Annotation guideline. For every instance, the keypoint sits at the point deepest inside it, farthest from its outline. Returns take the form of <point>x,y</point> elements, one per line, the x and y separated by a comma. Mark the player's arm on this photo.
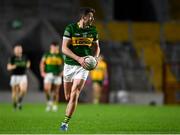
<point>11,65</point>
<point>65,43</point>
<point>65,49</point>
<point>28,64</point>
<point>97,49</point>
<point>96,46</point>
<point>61,74</point>
<point>42,67</point>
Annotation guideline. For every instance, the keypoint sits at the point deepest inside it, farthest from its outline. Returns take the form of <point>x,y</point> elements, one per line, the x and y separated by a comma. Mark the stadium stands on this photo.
<point>135,51</point>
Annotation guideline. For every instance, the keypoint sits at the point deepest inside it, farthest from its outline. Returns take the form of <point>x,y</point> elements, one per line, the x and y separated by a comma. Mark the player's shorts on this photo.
<point>53,79</point>
<point>72,72</point>
<point>18,79</point>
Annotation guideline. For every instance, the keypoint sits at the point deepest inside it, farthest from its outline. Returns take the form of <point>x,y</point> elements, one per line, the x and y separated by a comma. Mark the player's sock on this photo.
<point>55,106</point>
<point>48,97</point>
<point>66,119</point>
<point>49,105</point>
<point>14,105</point>
<point>20,100</point>
<point>19,103</point>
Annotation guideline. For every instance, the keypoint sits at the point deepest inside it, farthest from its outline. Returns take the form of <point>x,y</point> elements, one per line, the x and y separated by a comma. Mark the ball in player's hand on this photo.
<point>91,62</point>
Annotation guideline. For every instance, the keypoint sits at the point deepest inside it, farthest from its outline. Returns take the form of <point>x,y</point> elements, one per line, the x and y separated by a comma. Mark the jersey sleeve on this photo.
<point>67,32</point>
<point>11,60</point>
<point>44,56</point>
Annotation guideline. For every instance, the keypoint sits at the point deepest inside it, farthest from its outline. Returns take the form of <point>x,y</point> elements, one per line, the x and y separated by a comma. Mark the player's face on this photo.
<point>57,49</point>
<point>88,19</point>
<point>18,50</point>
<point>53,49</point>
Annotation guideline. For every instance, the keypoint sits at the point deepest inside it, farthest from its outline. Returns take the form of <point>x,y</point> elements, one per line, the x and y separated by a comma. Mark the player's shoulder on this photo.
<point>46,54</point>
<point>93,28</point>
<point>60,55</point>
<point>71,25</point>
<point>12,57</point>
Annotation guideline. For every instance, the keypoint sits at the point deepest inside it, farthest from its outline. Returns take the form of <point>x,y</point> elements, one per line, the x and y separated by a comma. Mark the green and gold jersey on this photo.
<point>53,63</point>
<point>81,41</point>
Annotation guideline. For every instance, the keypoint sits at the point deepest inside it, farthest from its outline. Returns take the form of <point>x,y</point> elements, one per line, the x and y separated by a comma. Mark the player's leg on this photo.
<point>14,89</point>
<point>67,90</point>
<point>68,78</point>
<point>23,85</point>
<point>74,80</point>
<point>56,88</point>
<point>76,88</point>
<point>14,95</point>
<point>47,89</point>
<point>55,97</point>
<point>97,88</point>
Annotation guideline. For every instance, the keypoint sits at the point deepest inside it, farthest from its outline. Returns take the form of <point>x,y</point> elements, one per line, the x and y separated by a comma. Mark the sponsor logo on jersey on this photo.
<point>81,41</point>
<point>53,61</point>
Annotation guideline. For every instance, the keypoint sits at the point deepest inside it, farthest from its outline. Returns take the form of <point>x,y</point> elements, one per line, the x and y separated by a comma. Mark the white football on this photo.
<point>91,61</point>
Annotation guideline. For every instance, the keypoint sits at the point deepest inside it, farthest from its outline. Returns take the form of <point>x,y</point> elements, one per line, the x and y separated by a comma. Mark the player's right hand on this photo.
<point>13,66</point>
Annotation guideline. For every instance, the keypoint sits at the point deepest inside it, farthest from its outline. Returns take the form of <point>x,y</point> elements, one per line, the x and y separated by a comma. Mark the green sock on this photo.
<point>66,119</point>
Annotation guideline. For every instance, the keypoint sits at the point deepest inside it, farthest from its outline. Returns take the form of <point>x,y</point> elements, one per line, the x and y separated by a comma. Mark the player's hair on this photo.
<point>17,44</point>
<point>85,10</point>
<point>54,43</point>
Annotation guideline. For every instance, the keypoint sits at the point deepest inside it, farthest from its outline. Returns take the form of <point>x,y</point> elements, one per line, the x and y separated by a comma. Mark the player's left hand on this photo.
<point>81,61</point>
<point>97,60</point>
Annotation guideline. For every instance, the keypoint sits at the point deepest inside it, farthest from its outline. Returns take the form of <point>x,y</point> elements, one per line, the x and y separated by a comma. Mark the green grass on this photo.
<point>91,119</point>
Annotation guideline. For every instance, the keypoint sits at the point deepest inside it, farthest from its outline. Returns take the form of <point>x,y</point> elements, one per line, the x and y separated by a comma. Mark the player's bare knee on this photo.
<point>67,97</point>
<point>23,91</point>
<point>75,95</point>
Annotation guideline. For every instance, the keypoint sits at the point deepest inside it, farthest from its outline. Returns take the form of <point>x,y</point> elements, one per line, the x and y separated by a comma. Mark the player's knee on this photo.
<point>23,87</point>
<point>75,95</point>
<point>23,91</point>
<point>13,95</point>
<point>47,90</point>
<point>67,97</point>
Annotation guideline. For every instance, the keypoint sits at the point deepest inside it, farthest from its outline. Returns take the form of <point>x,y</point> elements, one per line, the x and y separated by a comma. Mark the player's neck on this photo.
<point>18,55</point>
<point>52,52</point>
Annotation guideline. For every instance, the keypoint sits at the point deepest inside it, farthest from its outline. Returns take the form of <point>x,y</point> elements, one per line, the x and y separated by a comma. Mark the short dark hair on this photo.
<point>85,10</point>
<point>54,43</point>
<point>17,44</point>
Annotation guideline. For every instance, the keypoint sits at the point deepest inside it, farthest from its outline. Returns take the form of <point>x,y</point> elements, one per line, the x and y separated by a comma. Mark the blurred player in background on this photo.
<point>79,39</point>
<point>51,68</point>
<point>99,76</point>
<point>18,64</point>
